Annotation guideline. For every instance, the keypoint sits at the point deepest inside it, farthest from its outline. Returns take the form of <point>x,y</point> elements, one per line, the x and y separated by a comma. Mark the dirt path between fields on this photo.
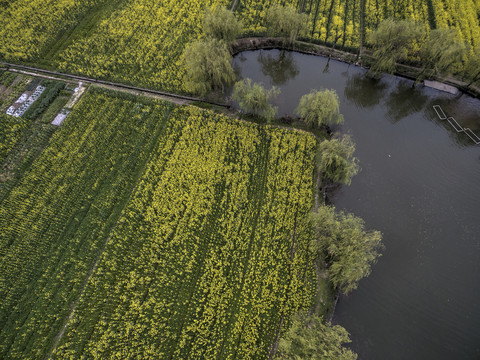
<point>157,94</point>
<point>116,87</point>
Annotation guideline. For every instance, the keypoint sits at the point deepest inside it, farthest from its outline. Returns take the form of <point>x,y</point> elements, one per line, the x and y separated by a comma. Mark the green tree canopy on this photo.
<point>221,24</point>
<point>394,41</point>
<point>208,66</point>
<point>254,98</point>
<point>336,161</point>
<point>440,53</point>
<point>286,22</point>
<point>346,246</point>
<point>472,69</point>
<point>320,108</point>
<point>311,339</point>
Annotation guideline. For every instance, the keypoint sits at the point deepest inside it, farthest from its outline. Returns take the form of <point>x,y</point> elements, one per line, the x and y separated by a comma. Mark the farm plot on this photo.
<point>58,215</point>
<point>27,26</point>
<point>10,131</point>
<point>253,12</point>
<point>339,21</point>
<point>461,14</point>
<point>210,257</point>
<point>12,85</point>
<point>140,43</point>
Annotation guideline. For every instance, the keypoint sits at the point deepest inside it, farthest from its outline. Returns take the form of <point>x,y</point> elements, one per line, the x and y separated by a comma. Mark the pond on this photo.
<point>420,186</point>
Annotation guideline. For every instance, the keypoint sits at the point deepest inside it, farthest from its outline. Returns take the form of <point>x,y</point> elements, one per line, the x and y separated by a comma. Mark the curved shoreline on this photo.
<point>405,71</point>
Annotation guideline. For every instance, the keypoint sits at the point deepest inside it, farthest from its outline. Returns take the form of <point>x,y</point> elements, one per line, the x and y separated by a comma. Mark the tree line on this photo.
<point>341,244</point>
<point>439,51</point>
<point>208,60</point>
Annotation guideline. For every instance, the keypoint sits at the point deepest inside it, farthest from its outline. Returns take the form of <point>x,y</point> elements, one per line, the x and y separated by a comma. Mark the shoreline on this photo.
<point>363,61</point>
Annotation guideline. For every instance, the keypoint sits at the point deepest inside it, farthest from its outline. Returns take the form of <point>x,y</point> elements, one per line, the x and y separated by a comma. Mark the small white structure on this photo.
<point>441,86</point>
<point>26,103</point>
<point>11,110</point>
<point>77,94</point>
<point>22,98</point>
<point>78,87</point>
<point>60,117</point>
<point>441,115</point>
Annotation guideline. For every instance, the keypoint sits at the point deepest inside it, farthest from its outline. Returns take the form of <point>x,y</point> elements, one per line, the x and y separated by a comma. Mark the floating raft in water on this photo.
<point>472,136</point>
<point>455,124</point>
<point>441,86</point>
<point>439,111</point>
<point>458,128</point>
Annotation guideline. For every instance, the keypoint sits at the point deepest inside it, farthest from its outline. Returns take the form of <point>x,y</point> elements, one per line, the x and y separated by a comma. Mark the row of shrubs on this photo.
<point>52,90</point>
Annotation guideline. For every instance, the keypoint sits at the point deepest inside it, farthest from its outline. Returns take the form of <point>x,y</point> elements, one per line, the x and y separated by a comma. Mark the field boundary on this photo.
<point>114,85</point>
<point>177,99</point>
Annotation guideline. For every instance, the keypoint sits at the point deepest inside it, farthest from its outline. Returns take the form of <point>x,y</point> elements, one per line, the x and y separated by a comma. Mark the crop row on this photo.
<point>57,216</point>
<point>10,132</point>
<point>210,257</point>
<point>27,26</point>
<point>340,21</point>
<point>140,43</point>
<point>13,90</point>
<point>461,14</point>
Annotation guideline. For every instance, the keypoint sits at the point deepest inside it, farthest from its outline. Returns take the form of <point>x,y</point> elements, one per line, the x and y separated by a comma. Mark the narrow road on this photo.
<point>55,75</point>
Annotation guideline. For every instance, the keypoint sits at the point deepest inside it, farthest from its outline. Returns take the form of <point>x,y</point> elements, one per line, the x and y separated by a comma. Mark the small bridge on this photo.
<point>458,128</point>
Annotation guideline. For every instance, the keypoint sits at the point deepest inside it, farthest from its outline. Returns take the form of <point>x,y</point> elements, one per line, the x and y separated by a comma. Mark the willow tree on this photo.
<point>347,247</point>
<point>335,160</point>
<point>208,66</point>
<point>441,53</point>
<point>320,108</point>
<point>221,24</point>
<point>255,99</point>
<point>286,22</point>
<point>311,338</point>
<point>472,69</point>
<point>394,41</point>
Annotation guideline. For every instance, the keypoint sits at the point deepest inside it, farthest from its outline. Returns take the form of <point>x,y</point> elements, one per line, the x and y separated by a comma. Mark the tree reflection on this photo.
<point>280,68</point>
<point>325,69</point>
<point>364,91</point>
<point>404,101</point>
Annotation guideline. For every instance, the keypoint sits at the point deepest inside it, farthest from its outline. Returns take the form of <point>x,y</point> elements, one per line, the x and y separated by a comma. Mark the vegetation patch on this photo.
<point>27,26</point>
<point>211,256</point>
<point>52,90</point>
<point>58,212</point>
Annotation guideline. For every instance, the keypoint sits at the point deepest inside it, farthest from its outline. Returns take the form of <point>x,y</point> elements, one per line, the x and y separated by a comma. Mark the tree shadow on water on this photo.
<point>363,91</point>
<point>280,68</point>
<point>405,101</point>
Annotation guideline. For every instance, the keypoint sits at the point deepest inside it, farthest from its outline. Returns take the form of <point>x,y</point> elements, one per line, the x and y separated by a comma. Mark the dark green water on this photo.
<point>420,186</point>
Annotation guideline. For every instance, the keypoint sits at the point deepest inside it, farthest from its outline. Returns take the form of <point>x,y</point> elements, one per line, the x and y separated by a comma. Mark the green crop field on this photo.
<point>56,217</point>
<point>141,41</point>
<point>142,229</point>
<point>200,220</point>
